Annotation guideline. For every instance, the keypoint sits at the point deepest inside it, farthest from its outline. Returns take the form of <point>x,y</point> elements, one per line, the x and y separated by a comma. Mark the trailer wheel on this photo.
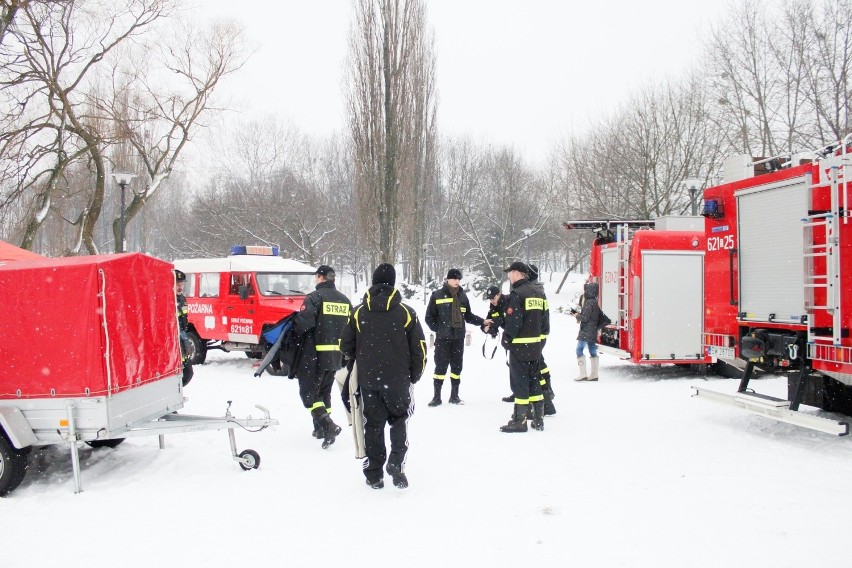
<point>105,443</point>
<point>252,457</point>
<point>197,348</point>
<point>13,466</point>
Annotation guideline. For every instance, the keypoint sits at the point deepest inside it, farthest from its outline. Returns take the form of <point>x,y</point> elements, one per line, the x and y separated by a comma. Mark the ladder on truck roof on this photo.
<point>822,250</point>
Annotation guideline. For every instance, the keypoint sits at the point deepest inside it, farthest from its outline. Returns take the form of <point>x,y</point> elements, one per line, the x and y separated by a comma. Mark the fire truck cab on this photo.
<point>233,300</point>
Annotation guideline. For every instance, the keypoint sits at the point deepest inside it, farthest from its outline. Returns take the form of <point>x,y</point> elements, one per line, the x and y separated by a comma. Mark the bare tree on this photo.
<point>391,113</point>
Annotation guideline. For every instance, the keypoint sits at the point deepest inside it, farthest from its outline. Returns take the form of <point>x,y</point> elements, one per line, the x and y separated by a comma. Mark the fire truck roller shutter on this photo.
<point>771,251</point>
<point>672,304</point>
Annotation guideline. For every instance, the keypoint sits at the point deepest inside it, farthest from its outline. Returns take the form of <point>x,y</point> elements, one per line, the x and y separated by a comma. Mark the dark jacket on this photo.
<point>439,313</point>
<point>497,314</point>
<point>183,325</point>
<point>385,337</point>
<point>525,323</point>
<point>589,314</point>
<point>321,318</point>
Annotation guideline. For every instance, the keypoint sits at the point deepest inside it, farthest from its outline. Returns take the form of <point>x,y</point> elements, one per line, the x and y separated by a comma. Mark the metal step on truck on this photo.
<point>92,355</point>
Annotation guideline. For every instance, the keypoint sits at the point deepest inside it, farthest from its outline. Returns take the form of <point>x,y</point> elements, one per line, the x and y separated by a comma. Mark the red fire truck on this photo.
<point>233,300</point>
<point>644,268</point>
<point>779,282</point>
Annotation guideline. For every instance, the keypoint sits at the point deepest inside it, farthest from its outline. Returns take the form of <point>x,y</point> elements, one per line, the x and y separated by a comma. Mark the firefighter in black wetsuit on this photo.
<point>183,325</point>
<point>446,314</point>
<point>321,318</point>
<point>524,327</point>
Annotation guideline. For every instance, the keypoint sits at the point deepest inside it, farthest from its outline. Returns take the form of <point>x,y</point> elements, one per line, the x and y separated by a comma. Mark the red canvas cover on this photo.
<point>55,335</point>
<point>11,252</point>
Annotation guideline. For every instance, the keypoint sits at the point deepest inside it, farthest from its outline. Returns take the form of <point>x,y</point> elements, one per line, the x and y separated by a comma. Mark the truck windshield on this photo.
<point>283,284</point>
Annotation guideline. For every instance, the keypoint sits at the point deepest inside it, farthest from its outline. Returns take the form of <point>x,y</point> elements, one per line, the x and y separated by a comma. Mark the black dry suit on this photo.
<point>385,337</point>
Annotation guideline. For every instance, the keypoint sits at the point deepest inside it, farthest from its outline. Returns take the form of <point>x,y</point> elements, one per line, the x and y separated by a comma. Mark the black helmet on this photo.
<point>179,275</point>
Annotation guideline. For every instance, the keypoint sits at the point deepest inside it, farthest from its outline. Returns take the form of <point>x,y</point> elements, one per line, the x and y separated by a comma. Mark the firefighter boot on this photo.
<point>538,415</point>
<point>581,362</point>
<point>331,431</point>
<point>593,373</point>
<point>437,399</point>
<point>454,391</point>
<point>510,398</point>
<point>518,423</point>
<point>549,409</point>
<point>318,432</point>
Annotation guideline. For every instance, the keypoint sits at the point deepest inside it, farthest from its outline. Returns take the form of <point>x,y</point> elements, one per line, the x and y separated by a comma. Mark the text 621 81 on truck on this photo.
<point>233,300</point>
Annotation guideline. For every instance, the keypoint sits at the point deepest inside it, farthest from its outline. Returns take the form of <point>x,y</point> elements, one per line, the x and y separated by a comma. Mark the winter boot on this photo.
<point>510,398</point>
<point>318,429</point>
<point>437,399</point>
<point>400,481</point>
<point>518,423</point>
<point>454,391</point>
<point>538,415</point>
<point>377,484</point>
<point>326,427</point>
<point>581,362</point>
<point>549,409</point>
<point>331,431</point>
<point>593,373</point>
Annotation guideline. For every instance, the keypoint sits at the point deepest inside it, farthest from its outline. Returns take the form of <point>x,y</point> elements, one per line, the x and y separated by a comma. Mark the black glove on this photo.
<point>414,379</point>
<point>506,341</point>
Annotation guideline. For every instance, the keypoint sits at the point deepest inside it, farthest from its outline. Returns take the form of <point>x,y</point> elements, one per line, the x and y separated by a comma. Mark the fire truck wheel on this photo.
<point>252,457</point>
<point>254,354</point>
<point>13,466</point>
<point>198,348</point>
<point>105,443</point>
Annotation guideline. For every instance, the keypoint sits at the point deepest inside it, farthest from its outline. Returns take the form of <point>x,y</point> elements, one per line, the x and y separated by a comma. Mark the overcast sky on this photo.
<point>508,71</point>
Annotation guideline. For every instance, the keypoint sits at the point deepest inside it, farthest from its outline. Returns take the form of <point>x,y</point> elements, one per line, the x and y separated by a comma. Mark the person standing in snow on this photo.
<point>544,371</point>
<point>524,328</point>
<point>588,318</point>
<point>446,314</point>
<point>319,322</point>
<point>183,326</point>
<point>384,337</point>
<point>496,312</point>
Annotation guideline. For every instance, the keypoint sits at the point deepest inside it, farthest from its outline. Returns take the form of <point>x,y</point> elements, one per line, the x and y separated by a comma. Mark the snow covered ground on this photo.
<point>632,471</point>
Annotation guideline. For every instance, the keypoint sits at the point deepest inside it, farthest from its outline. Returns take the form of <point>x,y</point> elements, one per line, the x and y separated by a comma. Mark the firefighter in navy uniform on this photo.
<point>546,386</point>
<point>183,325</point>
<point>524,326</point>
<point>446,314</point>
<point>498,302</point>
<point>385,339</point>
<point>321,318</point>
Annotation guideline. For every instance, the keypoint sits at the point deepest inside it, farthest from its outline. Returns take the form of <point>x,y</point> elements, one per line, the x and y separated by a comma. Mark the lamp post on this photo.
<point>692,185</point>
<point>123,181</point>
<point>423,271</point>
<point>527,233</point>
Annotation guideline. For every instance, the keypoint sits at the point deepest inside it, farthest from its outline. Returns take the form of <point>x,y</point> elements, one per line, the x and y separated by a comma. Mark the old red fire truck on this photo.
<point>233,300</point>
<point>779,273</point>
<point>644,268</point>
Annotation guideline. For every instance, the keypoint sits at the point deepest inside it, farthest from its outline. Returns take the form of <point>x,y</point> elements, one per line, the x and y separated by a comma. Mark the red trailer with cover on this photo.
<point>91,354</point>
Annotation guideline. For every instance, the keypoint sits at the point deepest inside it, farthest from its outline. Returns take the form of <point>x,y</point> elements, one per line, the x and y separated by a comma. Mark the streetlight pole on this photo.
<point>123,181</point>
<point>692,186</point>
<point>423,271</point>
<point>527,233</point>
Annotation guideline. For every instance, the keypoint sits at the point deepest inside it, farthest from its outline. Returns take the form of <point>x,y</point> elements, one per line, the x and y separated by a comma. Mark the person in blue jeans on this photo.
<point>588,318</point>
